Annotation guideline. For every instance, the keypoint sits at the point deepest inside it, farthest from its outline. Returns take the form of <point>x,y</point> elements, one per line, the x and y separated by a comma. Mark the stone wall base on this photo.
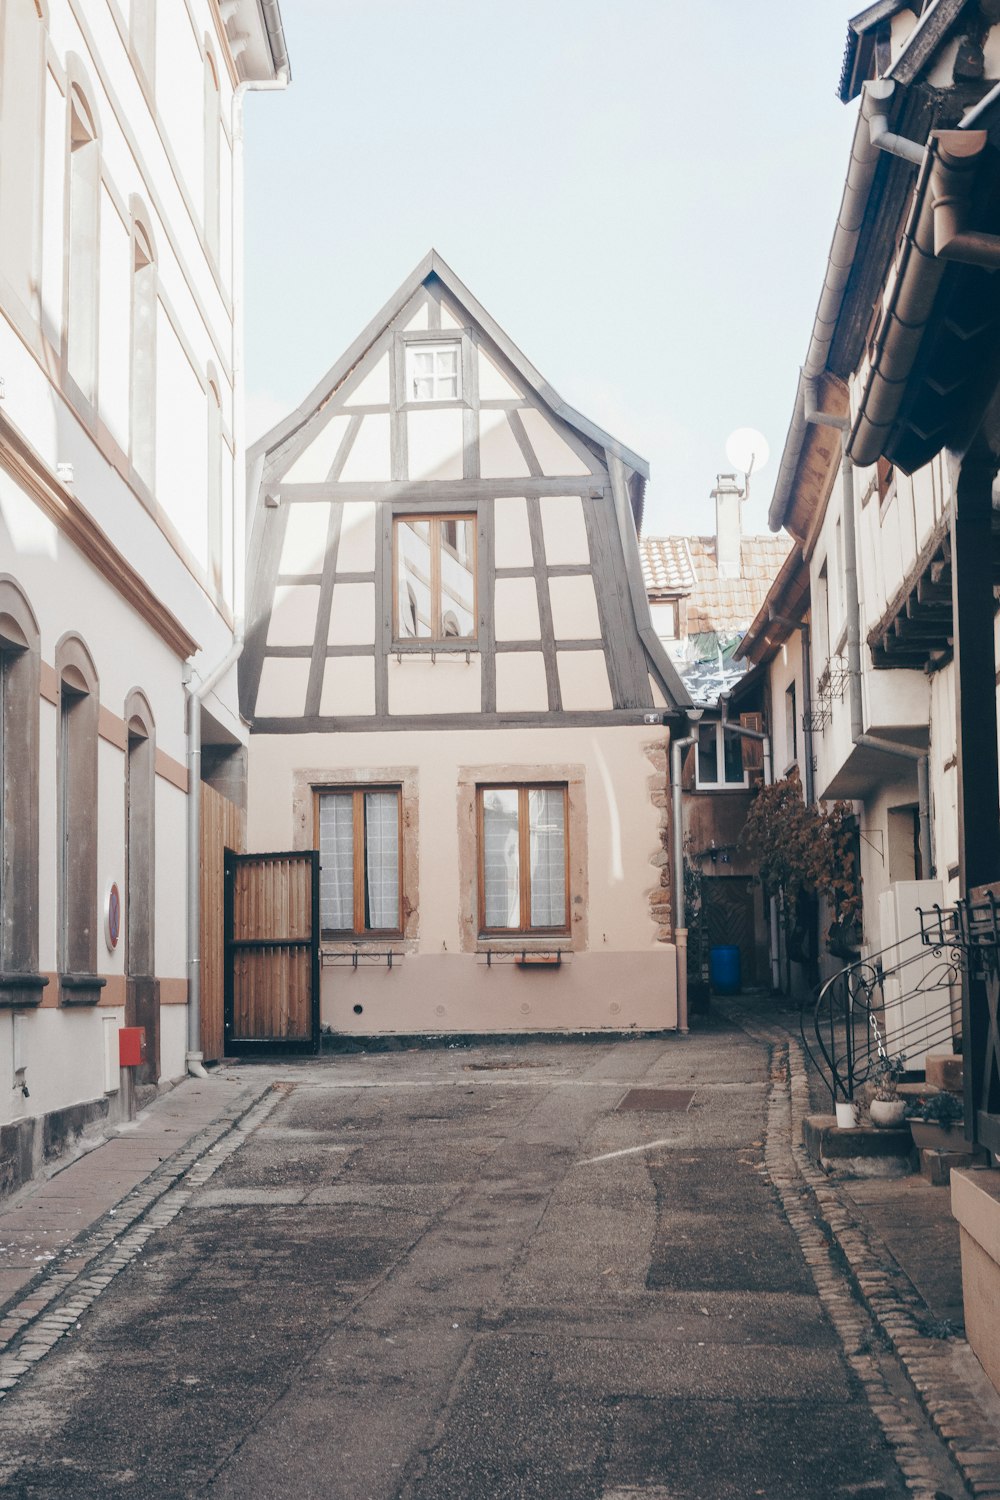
<point>975,1202</point>
<point>31,1146</point>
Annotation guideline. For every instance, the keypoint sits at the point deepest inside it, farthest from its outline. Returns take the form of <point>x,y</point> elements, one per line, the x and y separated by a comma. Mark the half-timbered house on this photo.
<point>456,697</point>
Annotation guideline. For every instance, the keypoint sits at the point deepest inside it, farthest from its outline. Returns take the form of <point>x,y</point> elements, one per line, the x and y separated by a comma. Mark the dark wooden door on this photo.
<point>728,914</point>
<point>272,953</point>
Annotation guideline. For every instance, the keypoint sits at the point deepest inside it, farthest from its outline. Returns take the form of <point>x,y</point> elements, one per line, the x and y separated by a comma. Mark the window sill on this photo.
<point>450,647</point>
<point>21,991</point>
<point>80,989</point>
<point>527,953</point>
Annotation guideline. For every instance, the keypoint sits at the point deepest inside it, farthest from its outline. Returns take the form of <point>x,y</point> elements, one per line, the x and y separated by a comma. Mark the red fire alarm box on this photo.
<point>131,1046</point>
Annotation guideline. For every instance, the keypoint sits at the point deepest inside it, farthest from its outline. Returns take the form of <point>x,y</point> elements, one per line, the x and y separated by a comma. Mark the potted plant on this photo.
<point>887,1109</point>
<point>936,1122</point>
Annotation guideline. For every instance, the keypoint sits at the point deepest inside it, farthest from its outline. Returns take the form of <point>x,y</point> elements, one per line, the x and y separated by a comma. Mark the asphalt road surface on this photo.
<point>469,1275</point>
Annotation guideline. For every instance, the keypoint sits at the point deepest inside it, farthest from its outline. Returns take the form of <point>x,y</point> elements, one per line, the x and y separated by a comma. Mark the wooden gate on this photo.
<point>272,953</point>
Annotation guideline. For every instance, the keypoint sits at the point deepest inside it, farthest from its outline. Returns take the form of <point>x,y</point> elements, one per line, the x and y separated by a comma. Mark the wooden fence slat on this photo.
<point>223,826</point>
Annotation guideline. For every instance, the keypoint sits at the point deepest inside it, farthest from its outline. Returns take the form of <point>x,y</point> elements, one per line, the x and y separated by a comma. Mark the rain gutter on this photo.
<point>875,100</point>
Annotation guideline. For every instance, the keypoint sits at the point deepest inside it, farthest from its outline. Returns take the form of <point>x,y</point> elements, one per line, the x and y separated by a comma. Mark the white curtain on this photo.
<point>336,858</point>
<point>546,818</point>
<point>382,859</point>
<point>501,859</point>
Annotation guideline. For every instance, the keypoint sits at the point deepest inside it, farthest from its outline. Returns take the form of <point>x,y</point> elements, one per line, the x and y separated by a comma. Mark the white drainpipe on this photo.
<point>677,818</point>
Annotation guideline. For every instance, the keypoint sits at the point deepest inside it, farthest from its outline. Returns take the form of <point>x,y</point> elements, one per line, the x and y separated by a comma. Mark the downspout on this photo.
<point>765,741</point>
<point>680,914</point>
<point>196,696</point>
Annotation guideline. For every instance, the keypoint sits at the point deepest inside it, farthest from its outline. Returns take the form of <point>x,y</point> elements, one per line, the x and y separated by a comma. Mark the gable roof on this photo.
<point>688,566</point>
<point>433,265</point>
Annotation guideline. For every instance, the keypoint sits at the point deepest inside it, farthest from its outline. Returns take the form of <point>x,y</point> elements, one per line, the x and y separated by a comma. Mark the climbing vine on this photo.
<point>801,851</point>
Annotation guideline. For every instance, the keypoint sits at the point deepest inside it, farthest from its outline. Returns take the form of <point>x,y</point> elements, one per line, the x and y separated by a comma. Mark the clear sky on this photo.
<point>641,194</point>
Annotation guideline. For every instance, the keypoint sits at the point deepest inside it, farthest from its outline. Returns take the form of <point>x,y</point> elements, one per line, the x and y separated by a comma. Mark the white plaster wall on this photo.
<point>434,443</point>
<point>282,690</point>
<point>173,1042</point>
<point>368,460</point>
<point>348,686</point>
<point>583,680</point>
<point>554,454</point>
<point>521,682</point>
<point>515,610</point>
<point>512,535</point>
<point>494,385</point>
<point>315,462</point>
<point>623,977</point>
<point>372,388</point>
<point>574,608</point>
<point>785,669</point>
<point>564,530</point>
<point>356,553</point>
<point>352,615</point>
<point>499,454</point>
<point>62,1052</point>
<point>304,547</point>
<point>449,685</point>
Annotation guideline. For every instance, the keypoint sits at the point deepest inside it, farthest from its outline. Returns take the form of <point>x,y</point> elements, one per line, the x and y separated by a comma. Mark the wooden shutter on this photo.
<point>753,750</point>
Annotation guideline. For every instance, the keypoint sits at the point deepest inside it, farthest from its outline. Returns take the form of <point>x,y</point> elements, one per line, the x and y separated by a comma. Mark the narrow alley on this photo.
<point>521,1270</point>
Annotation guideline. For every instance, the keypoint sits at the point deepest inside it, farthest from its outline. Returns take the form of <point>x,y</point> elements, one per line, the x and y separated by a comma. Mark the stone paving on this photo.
<point>467,1274</point>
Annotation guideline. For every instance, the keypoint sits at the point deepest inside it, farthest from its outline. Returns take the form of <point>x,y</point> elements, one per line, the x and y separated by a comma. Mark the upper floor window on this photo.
<point>719,759</point>
<point>19,749</point>
<point>21,75</point>
<point>82,245</point>
<point>215,517</point>
<point>434,371</point>
<point>435,578</point>
<point>142,386</point>
<point>791,723</point>
<point>212,129</point>
<point>523,859</point>
<point>360,842</point>
<point>664,613</point>
<point>142,36</point>
<point>79,711</point>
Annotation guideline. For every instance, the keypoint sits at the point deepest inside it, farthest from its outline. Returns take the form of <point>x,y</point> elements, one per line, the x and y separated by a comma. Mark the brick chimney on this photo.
<point>728,499</point>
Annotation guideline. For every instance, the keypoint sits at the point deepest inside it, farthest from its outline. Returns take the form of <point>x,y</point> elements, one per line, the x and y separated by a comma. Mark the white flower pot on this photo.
<point>847,1114</point>
<point>887,1112</point>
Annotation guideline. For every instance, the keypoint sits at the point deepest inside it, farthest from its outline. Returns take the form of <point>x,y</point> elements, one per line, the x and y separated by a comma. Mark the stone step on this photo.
<point>943,1070</point>
<point>937,1166</point>
<point>862,1151</point>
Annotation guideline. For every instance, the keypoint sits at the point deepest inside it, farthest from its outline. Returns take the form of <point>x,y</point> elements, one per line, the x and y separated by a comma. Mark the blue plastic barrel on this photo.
<point>724,969</point>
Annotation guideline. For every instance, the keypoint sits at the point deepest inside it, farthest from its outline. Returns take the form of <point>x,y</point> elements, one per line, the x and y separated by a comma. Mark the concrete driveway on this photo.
<point>473,1275</point>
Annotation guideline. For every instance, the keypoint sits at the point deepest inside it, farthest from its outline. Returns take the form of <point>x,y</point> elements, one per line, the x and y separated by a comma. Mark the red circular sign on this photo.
<point>113,916</point>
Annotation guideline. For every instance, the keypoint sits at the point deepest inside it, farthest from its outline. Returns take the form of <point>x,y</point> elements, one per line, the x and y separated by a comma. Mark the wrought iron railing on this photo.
<point>971,929</point>
<point>901,1000</point>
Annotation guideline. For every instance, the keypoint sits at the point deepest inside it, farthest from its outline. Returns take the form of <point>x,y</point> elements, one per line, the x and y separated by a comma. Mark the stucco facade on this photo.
<point>121,534</point>
<point>446,605</point>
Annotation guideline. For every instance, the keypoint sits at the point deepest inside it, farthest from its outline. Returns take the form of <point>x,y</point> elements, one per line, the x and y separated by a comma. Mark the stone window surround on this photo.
<point>307,781</point>
<point>20,670</point>
<point>140,836</point>
<point>470,779</point>
<point>77,822</point>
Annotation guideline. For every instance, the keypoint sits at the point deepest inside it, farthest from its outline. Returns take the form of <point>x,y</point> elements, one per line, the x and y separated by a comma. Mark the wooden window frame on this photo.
<point>437,640</point>
<point>523,788</point>
<point>358,930</point>
<point>435,346</point>
<point>720,741</point>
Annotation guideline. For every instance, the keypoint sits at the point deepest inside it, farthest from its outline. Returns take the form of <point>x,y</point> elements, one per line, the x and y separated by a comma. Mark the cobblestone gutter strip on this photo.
<point>932,1364</point>
<point>52,1307</point>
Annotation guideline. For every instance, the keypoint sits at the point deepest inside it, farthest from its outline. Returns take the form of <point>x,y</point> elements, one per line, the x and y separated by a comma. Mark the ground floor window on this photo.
<point>360,842</point>
<point>523,859</point>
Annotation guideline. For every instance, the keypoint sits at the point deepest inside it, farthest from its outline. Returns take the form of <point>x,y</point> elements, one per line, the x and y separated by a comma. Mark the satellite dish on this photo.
<point>747,450</point>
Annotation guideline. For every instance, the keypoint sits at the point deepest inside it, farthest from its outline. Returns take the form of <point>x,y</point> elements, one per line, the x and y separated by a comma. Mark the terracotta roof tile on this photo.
<point>666,565</point>
<point>723,605</point>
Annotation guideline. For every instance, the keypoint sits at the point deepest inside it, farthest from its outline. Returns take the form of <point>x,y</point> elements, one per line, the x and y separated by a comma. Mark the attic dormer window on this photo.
<point>434,371</point>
